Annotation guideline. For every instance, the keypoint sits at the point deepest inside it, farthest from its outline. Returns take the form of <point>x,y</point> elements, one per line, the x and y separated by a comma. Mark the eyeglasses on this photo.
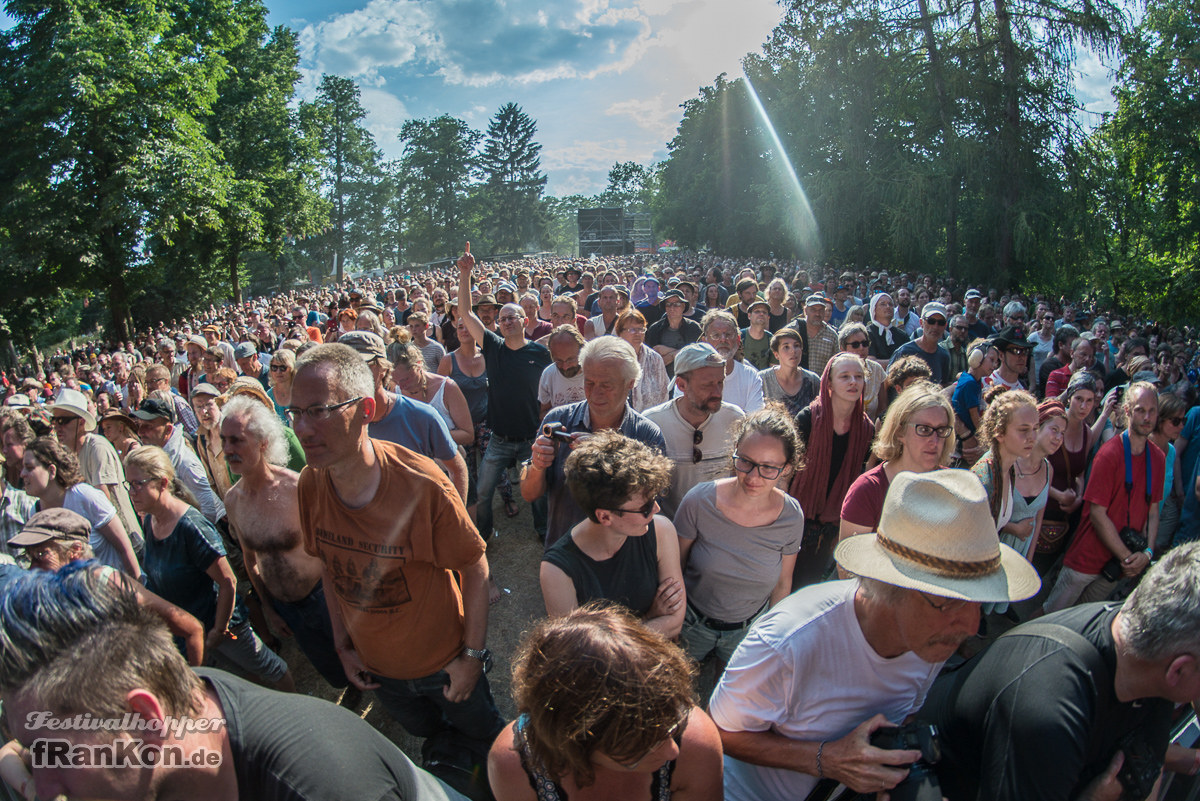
<point>1017,318</point>
<point>768,471</point>
<point>947,606</point>
<point>925,432</point>
<point>672,733</point>
<point>935,321</point>
<point>858,343</point>
<point>63,420</point>
<point>317,414</point>
<point>636,331</point>
<point>697,438</point>
<point>509,318</point>
<point>644,511</point>
<point>136,485</point>
<point>279,368</point>
<point>1176,420</point>
<point>1018,351</point>
<point>959,327</point>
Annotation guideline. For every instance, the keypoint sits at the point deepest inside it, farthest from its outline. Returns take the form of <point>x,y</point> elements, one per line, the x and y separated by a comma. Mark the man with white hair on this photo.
<point>264,513</point>
<point>610,369</point>
<point>742,383</point>
<point>825,668</point>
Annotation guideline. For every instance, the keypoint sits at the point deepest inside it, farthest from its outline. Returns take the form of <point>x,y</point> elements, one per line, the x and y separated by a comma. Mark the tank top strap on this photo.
<point>545,787</point>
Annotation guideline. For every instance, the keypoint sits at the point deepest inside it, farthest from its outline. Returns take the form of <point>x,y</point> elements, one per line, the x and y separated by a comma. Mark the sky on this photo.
<point>603,79</point>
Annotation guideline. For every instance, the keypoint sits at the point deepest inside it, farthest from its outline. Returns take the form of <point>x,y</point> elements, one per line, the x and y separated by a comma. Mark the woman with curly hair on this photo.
<point>624,552</point>
<point>605,710</point>
<point>51,474</point>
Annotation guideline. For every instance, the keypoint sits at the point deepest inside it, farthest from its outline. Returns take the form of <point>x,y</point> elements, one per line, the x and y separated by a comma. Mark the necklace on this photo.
<point>1023,474</point>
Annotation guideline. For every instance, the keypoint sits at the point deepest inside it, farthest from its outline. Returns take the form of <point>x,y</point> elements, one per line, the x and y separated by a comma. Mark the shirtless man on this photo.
<point>264,513</point>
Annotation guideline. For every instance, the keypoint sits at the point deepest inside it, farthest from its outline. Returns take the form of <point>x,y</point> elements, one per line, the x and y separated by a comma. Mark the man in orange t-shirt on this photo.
<point>369,511</point>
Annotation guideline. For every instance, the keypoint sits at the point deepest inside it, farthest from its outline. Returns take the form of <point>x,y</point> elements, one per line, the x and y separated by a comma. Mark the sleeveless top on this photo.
<point>474,389</point>
<point>549,790</point>
<point>438,402</point>
<point>1068,466</point>
<point>629,577</point>
<point>598,324</point>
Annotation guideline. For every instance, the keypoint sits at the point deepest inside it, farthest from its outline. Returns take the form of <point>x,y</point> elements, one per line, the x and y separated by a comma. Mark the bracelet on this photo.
<point>1149,553</point>
<point>820,771</point>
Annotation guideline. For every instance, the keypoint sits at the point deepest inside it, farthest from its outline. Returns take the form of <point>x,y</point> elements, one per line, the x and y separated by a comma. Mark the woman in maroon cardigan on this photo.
<point>837,435</point>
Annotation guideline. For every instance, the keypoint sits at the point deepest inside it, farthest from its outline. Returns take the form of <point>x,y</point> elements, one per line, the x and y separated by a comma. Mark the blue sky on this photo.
<point>604,79</point>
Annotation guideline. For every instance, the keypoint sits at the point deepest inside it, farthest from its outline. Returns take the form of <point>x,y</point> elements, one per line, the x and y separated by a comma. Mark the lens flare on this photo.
<point>798,213</point>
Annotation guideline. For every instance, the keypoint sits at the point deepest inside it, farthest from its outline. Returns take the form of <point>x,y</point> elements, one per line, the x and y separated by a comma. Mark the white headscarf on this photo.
<point>884,330</point>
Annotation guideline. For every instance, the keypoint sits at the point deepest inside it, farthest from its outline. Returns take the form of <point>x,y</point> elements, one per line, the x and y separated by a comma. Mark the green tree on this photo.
<point>348,154</point>
<point>437,168</point>
<point>104,124</point>
<point>630,186</point>
<point>511,168</point>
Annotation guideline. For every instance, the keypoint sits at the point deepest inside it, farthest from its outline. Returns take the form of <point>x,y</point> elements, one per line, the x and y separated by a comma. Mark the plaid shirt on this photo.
<point>820,348</point>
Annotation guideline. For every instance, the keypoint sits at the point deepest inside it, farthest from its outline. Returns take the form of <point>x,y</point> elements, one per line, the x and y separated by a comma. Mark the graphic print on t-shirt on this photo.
<point>367,576</point>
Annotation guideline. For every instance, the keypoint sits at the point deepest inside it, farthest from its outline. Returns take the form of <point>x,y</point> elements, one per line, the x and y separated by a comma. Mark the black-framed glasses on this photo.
<point>1018,351</point>
<point>279,368</point>
<point>959,327</point>
<point>949,604</point>
<point>935,321</point>
<point>768,471</point>
<point>926,431</point>
<point>318,413</point>
<point>644,511</point>
<point>697,438</point>
<point>858,343</point>
<point>63,420</point>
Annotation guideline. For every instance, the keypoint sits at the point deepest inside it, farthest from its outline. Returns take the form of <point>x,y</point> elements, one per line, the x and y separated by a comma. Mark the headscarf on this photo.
<point>1049,409</point>
<point>819,499</point>
<point>884,330</point>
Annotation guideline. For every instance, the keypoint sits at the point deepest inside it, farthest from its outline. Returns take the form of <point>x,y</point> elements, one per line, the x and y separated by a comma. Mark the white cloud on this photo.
<point>385,114</point>
<point>657,115</point>
<point>383,34</point>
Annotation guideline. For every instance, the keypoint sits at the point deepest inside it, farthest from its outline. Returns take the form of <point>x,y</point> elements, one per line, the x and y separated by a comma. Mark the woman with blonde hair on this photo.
<point>282,371</point>
<point>186,565</point>
<point>605,710</point>
<point>916,435</point>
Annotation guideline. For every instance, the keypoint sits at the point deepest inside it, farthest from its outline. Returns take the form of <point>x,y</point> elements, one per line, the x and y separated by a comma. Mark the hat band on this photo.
<point>950,568</point>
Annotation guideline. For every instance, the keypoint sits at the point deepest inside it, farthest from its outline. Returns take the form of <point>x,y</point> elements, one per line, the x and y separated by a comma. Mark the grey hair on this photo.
<point>1162,615</point>
<point>1013,307</point>
<point>713,316</point>
<point>612,349</point>
<point>351,374</point>
<point>262,423</point>
<point>957,317</point>
<point>850,328</point>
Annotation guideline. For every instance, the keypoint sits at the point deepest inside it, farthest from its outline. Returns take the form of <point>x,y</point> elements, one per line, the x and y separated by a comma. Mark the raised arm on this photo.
<point>465,264</point>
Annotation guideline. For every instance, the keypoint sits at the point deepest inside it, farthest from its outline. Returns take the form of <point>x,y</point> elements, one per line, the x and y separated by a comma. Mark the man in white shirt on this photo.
<point>742,384</point>
<point>832,663</point>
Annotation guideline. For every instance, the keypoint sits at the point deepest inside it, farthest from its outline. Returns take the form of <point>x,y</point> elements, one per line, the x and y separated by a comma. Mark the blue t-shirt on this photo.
<point>938,361</point>
<point>417,426</point>
<point>967,396</point>
<point>176,567</point>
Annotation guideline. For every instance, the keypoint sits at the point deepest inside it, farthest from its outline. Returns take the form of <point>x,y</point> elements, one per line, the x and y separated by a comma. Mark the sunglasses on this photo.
<point>697,438</point>
<point>858,343</point>
<point>644,511</point>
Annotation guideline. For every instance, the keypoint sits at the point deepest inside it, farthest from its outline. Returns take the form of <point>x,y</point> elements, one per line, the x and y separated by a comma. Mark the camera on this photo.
<point>556,432</point>
<point>1134,541</point>
<point>921,784</point>
<point>1141,767</point>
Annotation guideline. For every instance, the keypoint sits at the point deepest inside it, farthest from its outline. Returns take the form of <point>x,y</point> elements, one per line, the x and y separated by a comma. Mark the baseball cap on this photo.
<point>367,344</point>
<point>244,350</point>
<point>153,408</point>
<point>204,389</point>
<point>933,307</point>
<point>972,294</point>
<point>697,355</point>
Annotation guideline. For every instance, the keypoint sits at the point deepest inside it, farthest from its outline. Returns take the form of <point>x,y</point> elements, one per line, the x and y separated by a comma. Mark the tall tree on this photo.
<point>513,181</point>
<point>630,186</point>
<point>437,168</point>
<point>106,145</point>
<point>348,153</point>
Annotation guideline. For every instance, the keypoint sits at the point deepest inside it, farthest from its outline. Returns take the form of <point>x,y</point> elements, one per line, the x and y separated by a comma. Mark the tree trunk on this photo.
<point>235,284</point>
<point>1010,188</point>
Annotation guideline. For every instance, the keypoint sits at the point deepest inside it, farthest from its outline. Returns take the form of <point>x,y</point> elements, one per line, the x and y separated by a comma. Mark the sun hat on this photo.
<point>936,535</point>
<point>117,414</point>
<point>73,402</point>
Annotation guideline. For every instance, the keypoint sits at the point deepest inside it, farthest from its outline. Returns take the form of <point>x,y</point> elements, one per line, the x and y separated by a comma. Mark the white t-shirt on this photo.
<point>715,448</point>
<point>92,504</point>
<point>805,671</point>
<point>558,390</point>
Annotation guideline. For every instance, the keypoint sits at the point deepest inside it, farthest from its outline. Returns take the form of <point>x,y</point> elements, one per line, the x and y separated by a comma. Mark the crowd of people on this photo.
<point>825,487</point>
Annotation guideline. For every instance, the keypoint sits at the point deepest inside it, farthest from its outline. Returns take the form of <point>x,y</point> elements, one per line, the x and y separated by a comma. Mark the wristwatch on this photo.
<point>484,656</point>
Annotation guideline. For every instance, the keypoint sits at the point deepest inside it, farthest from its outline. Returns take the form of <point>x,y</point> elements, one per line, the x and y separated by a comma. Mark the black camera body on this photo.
<point>921,784</point>
<point>1134,541</point>
<point>1140,769</point>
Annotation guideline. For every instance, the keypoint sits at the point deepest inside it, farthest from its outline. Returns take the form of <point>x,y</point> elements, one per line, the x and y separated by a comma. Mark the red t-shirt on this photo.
<point>1106,487</point>
<point>863,504</point>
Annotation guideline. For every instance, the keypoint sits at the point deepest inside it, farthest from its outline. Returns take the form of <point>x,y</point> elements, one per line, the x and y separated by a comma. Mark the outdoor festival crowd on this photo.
<point>928,540</point>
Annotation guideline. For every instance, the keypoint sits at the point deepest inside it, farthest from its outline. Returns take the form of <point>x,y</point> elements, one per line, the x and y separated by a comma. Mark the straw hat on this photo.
<point>73,402</point>
<point>936,534</point>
